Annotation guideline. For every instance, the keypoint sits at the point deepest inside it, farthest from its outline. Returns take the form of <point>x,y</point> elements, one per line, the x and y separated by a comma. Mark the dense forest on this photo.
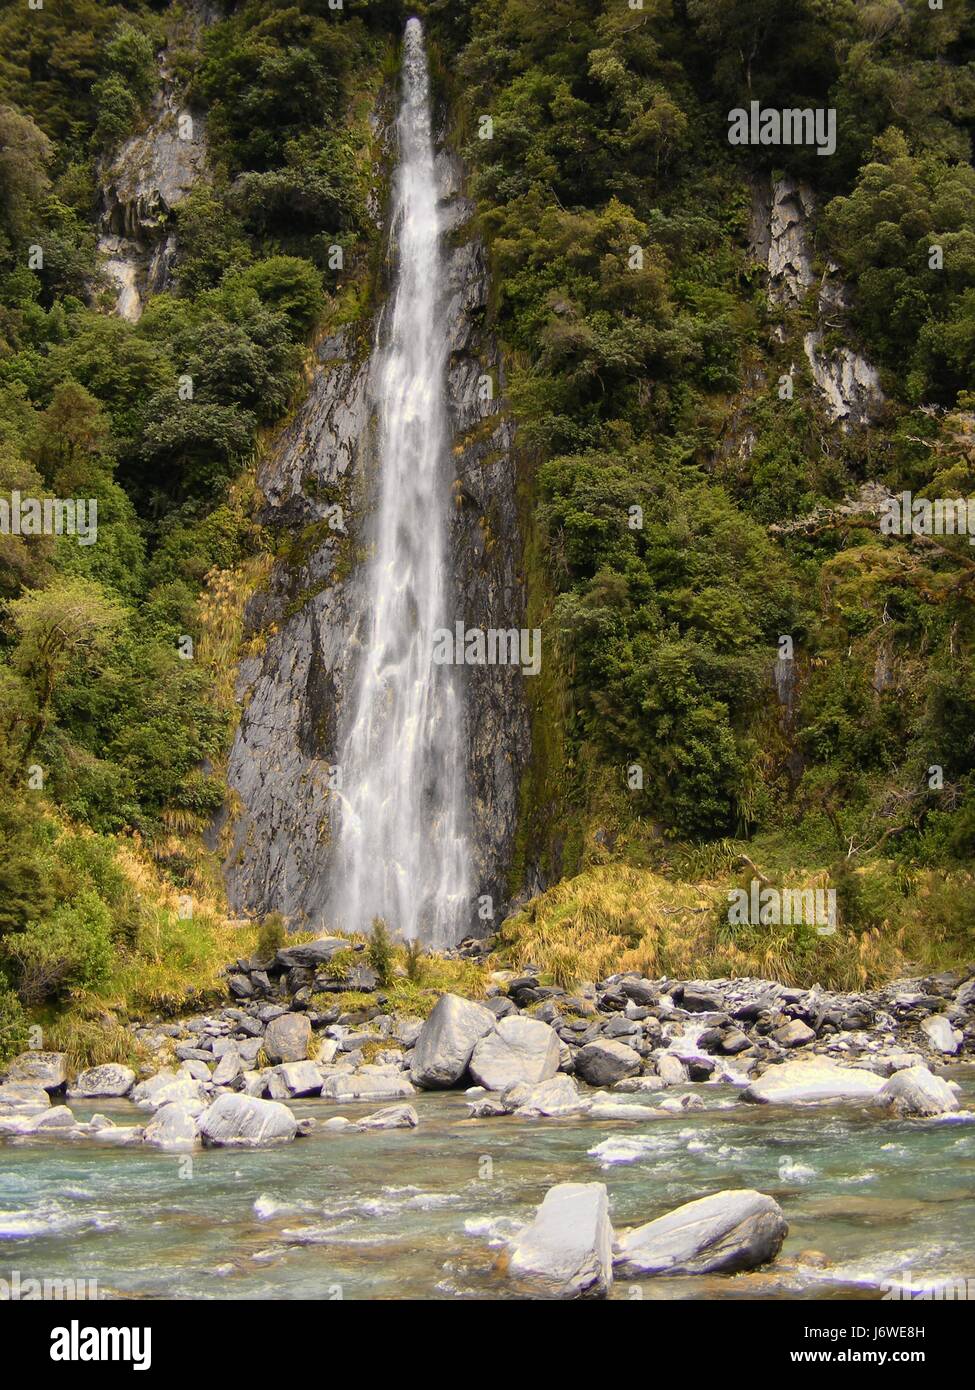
<point>742,669</point>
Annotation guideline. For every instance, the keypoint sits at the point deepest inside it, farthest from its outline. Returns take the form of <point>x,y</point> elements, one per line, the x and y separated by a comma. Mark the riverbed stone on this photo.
<point>310,954</point>
<point>350,1086</point>
<point>239,1121</point>
<point>916,1091</point>
<point>940,1033</point>
<point>520,1049</point>
<point>228,1068</point>
<point>724,1233</point>
<point>795,1033</point>
<point>19,1098</point>
<point>447,1040</point>
<point>813,1079</point>
<point>671,1070</point>
<point>286,1038</point>
<point>567,1251</point>
<point>558,1095</point>
<point>604,1061</point>
<point>110,1079</point>
<point>46,1069</point>
<point>292,1079</point>
<point>167,1086</point>
<point>392,1117</point>
<point>173,1126</point>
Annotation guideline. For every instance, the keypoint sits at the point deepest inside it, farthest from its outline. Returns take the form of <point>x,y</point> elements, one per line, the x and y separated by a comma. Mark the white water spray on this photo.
<point>401,841</point>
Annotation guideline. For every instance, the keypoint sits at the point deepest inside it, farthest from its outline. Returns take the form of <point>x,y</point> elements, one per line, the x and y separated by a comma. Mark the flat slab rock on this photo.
<point>567,1251</point>
<point>723,1233</point>
<point>813,1079</point>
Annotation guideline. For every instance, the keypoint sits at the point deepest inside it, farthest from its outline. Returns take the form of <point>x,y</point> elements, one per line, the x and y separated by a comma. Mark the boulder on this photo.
<point>58,1117</point>
<point>520,1049</point>
<point>349,1086</point>
<point>446,1041</point>
<point>17,1098</point>
<point>671,1070</point>
<point>238,1121</point>
<point>111,1079</point>
<point>173,1126</point>
<point>312,953</point>
<point>604,1061</point>
<point>292,1079</point>
<point>813,1079</point>
<point>167,1086</point>
<point>794,1033</point>
<point>46,1069</point>
<point>567,1251</point>
<point>556,1096</point>
<point>392,1117</point>
<point>228,1068</point>
<point>940,1034</point>
<point>916,1091</point>
<point>725,1233</point>
<point>286,1038</point>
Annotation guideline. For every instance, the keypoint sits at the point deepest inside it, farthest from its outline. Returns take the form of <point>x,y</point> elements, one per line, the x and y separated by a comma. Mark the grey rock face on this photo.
<point>916,1091</point>
<point>724,1233</point>
<point>567,1250</point>
<point>236,1121</point>
<point>605,1061</point>
<point>287,1038</point>
<point>293,695</point>
<point>521,1049</point>
<point>849,384</point>
<point>107,1080</point>
<point>447,1040</point>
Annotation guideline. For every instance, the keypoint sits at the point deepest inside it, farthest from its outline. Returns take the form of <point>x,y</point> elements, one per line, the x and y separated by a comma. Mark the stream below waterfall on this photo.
<point>418,1213</point>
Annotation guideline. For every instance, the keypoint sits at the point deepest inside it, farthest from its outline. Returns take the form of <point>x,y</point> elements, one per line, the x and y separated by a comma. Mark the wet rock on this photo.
<point>566,1252</point>
<point>671,1070</point>
<point>111,1079</point>
<point>603,1062</point>
<point>46,1069</point>
<point>367,1086</point>
<point>520,1049</point>
<point>725,1233</point>
<point>556,1096</point>
<point>392,1117</point>
<point>813,1079</point>
<point>916,1091</point>
<point>794,1034</point>
<point>447,1040</point>
<point>287,1038</point>
<point>238,1121</point>
<point>173,1126</point>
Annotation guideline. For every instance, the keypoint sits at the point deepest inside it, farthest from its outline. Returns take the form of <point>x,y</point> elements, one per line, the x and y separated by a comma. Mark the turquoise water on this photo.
<point>421,1213</point>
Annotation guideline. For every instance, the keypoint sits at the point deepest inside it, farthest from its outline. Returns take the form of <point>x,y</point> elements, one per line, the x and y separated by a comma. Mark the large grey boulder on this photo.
<point>349,1086</point>
<point>811,1080</point>
<point>292,1079</point>
<point>520,1049</point>
<point>446,1041</point>
<point>604,1061</point>
<point>228,1068</point>
<point>110,1079</point>
<point>312,953</point>
<point>46,1069</point>
<point>550,1099</point>
<point>167,1086</point>
<point>286,1038</point>
<point>916,1091</point>
<point>173,1126</point>
<point>567,1251</point>
<point>18,1098</point>
<point>724,1233</point>
<point>238,1121</point>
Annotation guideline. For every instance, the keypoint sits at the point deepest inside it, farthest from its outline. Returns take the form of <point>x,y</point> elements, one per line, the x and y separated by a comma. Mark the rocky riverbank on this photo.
<point>227,1078</point>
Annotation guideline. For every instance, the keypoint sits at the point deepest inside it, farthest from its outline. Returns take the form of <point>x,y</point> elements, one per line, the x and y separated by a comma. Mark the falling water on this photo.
<point>401,850</point>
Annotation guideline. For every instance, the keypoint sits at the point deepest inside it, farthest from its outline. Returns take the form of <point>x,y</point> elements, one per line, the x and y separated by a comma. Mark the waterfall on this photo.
<point>400,842</point>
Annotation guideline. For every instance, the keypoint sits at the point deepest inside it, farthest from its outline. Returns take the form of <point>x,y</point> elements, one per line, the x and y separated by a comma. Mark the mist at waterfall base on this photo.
<point>401,818</point>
